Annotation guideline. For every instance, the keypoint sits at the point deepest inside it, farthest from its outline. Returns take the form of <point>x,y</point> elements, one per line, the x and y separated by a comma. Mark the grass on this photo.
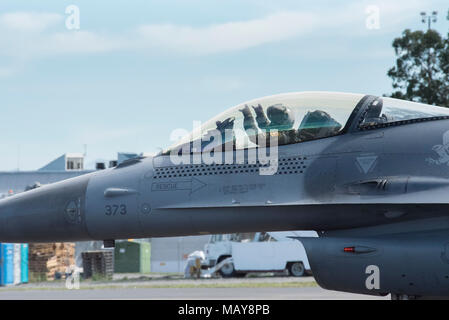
<point>226,285</point>
<point>36,277</point>
<point>184,285</point>
<point>100,277</point>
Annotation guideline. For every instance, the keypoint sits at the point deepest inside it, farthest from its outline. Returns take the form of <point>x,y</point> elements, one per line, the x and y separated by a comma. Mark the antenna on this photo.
<point>432,18</point>
<point>18,157</point>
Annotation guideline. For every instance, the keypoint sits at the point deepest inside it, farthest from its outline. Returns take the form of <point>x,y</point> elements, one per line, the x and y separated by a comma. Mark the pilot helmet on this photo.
<point>280,116</point>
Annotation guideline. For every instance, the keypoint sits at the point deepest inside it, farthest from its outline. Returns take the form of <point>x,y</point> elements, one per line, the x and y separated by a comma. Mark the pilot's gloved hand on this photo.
<point>227,124</point>
<point>261,118</point>
<point>248,119</point>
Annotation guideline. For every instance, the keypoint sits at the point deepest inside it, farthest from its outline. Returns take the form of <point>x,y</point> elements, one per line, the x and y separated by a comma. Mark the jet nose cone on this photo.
<point>53,212</point>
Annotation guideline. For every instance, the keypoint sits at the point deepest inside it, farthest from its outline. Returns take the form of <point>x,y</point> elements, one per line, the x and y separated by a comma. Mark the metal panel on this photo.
<point>145,257</point>
<point>24,263</point>
<point>127,257</point>
<point>131,256</point>
<point>7,264</point>
<point>170,254</point>
<point>17,257</point>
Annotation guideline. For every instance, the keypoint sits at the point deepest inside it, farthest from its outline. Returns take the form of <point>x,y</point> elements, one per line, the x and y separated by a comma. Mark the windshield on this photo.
<point>291,118</point>
<point>389,110</point>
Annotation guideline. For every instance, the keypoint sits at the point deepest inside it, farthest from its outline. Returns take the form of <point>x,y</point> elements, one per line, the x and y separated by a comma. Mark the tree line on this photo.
<point>421,71</point>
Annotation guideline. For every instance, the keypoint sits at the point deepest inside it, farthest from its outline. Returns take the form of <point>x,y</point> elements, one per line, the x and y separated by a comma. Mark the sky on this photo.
<point>133,71</point>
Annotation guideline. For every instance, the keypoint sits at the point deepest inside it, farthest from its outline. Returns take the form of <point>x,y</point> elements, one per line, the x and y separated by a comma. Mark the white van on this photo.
<point>258,252</point>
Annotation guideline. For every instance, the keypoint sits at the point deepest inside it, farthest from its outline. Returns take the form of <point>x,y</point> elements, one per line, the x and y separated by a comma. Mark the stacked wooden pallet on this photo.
<point>98,263</point>
<point>50,259</point>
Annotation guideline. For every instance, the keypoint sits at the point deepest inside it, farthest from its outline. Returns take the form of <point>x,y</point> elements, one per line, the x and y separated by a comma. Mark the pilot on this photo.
<point>225,129</point>
<point>281,117</point>
<point>317,124</point>
<point>278,121</point>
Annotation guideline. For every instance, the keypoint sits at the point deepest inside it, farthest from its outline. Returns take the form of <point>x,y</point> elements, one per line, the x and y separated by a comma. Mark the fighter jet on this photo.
<point>369,174</point>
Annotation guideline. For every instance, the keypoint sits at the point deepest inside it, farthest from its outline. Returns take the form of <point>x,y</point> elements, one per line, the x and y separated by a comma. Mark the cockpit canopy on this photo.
<point>292,117</point>
<point>296,117</point>
<point>385,111</point>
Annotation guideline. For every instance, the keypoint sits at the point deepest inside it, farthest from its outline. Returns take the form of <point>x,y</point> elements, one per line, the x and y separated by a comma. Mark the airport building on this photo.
<point>67,166</point>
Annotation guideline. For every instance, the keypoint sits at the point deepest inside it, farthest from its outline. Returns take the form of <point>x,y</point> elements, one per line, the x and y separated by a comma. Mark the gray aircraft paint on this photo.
<point>373,188</point>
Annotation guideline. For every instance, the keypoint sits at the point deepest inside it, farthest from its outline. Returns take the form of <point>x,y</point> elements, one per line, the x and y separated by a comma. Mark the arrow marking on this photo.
<point>192,185</point>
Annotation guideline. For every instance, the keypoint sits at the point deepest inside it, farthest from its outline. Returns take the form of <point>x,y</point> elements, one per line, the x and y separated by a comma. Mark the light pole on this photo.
<point>429,18</point>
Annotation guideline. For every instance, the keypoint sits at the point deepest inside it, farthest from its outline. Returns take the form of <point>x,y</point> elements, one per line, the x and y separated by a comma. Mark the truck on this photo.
<point>243,253</point>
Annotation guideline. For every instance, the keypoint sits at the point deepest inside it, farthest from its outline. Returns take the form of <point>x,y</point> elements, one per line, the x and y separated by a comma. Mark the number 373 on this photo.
<point>112,210</point>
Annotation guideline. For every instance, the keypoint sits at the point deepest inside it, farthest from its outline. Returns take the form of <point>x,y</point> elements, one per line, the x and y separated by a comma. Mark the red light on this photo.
<point>349,249</point>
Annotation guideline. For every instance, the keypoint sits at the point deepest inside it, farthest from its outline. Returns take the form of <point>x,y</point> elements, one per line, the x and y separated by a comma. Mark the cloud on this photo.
<point>27,35</point>
<point>228,36</point>
<point>29,21</point>
<point>348,20</point>
<point>80,42</point>
<point>30,45</point>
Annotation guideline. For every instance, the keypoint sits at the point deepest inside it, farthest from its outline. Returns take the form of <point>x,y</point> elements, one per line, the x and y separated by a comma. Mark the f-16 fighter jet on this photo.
<point>369,174</point>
